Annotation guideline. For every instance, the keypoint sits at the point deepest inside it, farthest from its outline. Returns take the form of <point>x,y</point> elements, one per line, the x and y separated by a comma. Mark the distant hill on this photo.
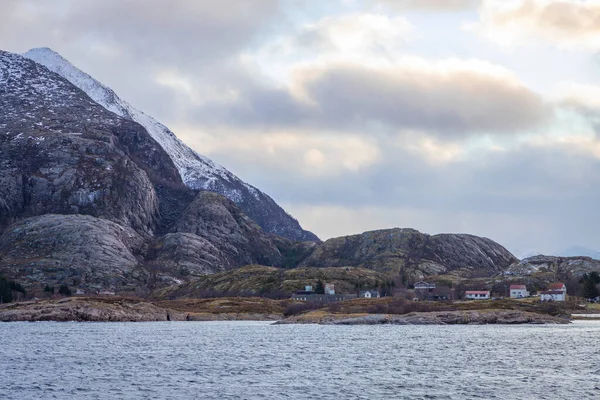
<point>411,252</point>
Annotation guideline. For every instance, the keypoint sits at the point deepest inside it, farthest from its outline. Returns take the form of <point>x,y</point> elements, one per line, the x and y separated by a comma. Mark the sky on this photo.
<point>461,116</point>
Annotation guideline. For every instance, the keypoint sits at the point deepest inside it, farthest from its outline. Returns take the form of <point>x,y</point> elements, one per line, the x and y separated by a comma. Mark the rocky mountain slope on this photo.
<point>90,199</point>
<point>559,266</point>
<point>197,171</point>
<point>415,253</point>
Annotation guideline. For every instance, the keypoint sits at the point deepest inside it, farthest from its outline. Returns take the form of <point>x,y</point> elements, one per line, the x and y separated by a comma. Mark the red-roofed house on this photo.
<point>477,294</point>
<point>518,291</point>
<point>555,292</point>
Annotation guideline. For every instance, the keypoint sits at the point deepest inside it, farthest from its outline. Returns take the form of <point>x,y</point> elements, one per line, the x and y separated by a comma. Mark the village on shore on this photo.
<point>425,291</point>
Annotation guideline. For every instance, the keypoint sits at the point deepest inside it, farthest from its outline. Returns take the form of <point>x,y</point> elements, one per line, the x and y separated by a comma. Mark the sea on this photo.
<point>260,360</point>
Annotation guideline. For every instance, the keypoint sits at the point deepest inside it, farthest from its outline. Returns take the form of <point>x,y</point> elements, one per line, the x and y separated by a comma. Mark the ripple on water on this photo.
<point>254,360</point>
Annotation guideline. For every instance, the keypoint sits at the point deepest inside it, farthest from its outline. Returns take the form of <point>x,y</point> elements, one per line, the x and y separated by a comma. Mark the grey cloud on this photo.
<point>173,31</point>
<point>531,197</point>
<point>350,97</point>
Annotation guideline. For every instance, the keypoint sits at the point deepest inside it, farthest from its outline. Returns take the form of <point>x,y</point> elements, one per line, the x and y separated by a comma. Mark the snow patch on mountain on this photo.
<point>197,171</point>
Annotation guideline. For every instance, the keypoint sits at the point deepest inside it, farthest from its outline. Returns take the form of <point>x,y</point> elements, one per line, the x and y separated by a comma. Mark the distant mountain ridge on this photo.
<point>196,171</point>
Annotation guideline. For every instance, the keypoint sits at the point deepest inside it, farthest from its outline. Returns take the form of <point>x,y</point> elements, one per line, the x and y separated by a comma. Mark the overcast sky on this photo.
<point>465,116</point>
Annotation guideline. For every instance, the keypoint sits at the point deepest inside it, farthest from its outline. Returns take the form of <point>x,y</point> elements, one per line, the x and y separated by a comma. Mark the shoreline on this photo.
<point>95,309</point>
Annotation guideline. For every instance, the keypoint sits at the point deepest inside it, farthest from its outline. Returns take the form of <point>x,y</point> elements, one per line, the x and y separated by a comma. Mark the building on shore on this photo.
<point>369,294</point>
<point>556,292</point>
<point>329,288</point>
<point>422,285</point>
<point>477,294</point>
<point>518,291</point>
<point>321,298</point>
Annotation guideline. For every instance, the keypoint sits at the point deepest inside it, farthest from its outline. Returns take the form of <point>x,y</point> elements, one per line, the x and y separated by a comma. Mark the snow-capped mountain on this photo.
<point>579,251</point>
<point>197,171</point>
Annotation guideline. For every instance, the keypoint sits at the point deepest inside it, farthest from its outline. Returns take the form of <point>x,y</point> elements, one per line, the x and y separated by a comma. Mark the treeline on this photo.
<point>7,288</point>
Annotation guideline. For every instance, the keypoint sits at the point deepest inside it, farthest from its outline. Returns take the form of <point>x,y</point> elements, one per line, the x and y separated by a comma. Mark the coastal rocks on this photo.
<point>70,249</point>
<point>395,250</point>
<point>501,317</point>
<point>80,309</point>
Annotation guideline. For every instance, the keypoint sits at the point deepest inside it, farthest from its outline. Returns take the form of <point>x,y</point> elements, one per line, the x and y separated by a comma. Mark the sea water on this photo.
<point>258,360</point>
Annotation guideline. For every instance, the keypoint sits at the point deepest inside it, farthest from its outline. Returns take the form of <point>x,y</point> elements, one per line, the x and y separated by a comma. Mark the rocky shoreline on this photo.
<point>501,317</point>
<point>138,310</point>
<point>126,310</point>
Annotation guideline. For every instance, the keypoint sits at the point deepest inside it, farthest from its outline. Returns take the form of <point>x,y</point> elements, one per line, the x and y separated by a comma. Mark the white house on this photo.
<point>368,294</point>
<point>477,294</point>
<point>552,295</point>
<point>555,292</point>
<point>329,288</point>
<point>518,291</point>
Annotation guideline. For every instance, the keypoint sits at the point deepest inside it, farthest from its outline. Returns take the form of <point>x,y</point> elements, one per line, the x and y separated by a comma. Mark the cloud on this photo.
<point>450,98</point>
<point>131,45</point>
<point>430,5</point>
<point>565,24</point>
<point>349,34</point>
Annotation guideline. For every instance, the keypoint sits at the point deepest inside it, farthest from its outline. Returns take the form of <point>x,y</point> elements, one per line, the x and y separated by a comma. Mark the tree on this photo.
<point>5,291</point>
<point>49,289</point>
<point>590,290</point>
<point>64,290</point>
<point>320,289</point>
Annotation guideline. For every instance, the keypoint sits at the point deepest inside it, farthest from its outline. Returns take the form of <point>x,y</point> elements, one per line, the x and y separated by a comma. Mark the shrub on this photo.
<point>64,290</point>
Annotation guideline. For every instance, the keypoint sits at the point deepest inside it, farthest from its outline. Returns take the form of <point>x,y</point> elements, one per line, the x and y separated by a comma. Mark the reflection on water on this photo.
<point>255,360</point>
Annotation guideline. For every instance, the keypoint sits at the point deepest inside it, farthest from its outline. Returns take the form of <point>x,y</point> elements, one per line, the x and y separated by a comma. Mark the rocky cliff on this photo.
<point>197,171</point>
<point>91,199</point>
<point>415,253</point>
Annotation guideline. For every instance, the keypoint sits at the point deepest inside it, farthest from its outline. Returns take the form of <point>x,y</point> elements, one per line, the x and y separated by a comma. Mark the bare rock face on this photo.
<point>189,255</point>
<point>62,153</point>
<point>408,250</point>
<point>197,171</point>
<point>220,222</point>
<point>71,249</point>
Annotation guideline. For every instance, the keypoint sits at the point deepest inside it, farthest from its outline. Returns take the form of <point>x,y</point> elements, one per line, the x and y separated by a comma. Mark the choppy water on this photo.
<point>254,360</point>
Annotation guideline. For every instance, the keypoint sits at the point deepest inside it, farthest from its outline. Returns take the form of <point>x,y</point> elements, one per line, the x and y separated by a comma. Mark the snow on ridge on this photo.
<point>197,171</point>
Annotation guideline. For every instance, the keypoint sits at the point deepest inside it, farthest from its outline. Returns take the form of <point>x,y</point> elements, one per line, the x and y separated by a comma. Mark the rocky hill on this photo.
<point>412,252</point>
<point>91,199</point>
<point>196,171</point>
<point>261,280</point>
<point>558,266</point>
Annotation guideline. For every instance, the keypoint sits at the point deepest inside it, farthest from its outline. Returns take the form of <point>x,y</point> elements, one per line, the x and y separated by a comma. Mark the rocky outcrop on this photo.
<point>222,223</point>
<point>501,317</point>
<point>77,250</point>
<point>122,309</point>
<point>416,253</point>
<point>564,266</point>
<point>82,309</point>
